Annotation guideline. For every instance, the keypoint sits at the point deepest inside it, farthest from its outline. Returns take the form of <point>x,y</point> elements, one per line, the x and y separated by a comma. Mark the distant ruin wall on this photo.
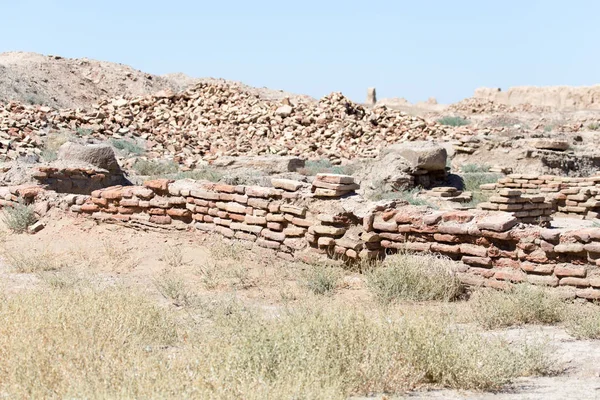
<point>556,97</point>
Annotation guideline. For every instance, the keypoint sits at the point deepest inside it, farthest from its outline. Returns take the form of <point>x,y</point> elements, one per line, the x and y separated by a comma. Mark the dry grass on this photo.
<point>33,260</point>
<point>19,217</point>
<point>415,278</point>
<point>114,343</point>
<point>321,279</point>
<point>522,304</point>
<point>583,321</point>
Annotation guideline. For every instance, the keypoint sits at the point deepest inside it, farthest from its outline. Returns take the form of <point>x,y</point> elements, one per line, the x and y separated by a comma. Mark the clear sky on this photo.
<point>412,49</point>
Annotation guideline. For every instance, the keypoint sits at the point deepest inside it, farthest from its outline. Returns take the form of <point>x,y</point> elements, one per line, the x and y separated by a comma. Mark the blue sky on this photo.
<point>411,49</point>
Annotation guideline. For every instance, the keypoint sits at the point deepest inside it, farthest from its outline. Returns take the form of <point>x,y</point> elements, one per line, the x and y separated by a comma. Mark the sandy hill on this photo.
<point>70,83</point>
<point>77,83</point>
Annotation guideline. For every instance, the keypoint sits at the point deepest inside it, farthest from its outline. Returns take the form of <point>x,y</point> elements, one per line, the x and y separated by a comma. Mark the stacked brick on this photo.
<point>75,180</point>
<point>580,201</point>
<point>573,197</point>
<point>333,185</point>
<point>494,252</point>
<point>528,208</point>
<point>489,246</point>
<point>536,184</point>
<point>448,194</point>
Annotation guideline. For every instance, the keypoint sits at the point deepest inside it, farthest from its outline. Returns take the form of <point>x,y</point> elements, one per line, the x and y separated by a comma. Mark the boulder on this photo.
<point>284,111</point>
<point>99,155</point>
<point>420,155</point>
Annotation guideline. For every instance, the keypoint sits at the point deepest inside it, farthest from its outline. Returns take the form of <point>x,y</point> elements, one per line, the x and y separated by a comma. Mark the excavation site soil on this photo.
<point>174,237</point>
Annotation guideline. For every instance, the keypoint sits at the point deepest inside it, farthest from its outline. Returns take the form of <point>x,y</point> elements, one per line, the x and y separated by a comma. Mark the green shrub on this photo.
<point>321,279</point>
<point>548,128</point>
<point>84,131</point>
<point>154,168</point>
<point>453,121</point>
<point>127,146</point>
<point>594,126</point>
<point>19,217</point>
<point>414,277</point>
<point>521,304</point>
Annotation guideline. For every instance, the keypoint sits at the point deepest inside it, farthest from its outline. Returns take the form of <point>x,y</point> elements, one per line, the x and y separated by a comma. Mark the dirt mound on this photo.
<point>556,97</point>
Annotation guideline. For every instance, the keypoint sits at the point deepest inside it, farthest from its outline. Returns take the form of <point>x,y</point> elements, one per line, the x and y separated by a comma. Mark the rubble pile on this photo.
<point>476,105</point>
<point>217,118</point>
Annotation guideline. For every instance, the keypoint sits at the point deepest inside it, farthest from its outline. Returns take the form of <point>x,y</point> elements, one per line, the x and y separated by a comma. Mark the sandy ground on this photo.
<point>115,254</point>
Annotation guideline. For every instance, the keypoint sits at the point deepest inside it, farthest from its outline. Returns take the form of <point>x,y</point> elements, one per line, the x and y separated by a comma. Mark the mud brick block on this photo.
<point>198,217</point>
<point>129,202</point>
<point>226,197</point>
<point>101,202</point>
<point>484,272</point>
<point>90,208</point>
<point>325,241</point>
<point>223,230</point>
<point>473,250</point>
<point>335,186</point>
<point>482,262</point>
<point>204,195</point>
<point>245,236</point>
<point>208,218</point>
<point>445,248</point>
<point>304,223</point>
<point>569,248</point>
<point>349,244</point>
<point>458,216</point>
<point>328,230</point>
<point>570,270</point>
<point>274,206</point>
<point>442,237</point>
<point>160,219</point>
<point>262,192</point>
<point>253,220</point>
<point>497,223</point>
<point>272,235</point>
<point>240,198</point>
<point>291,209</point>
<point>571,281</point>
<point>179,213</point>
<point>390,226</point>
<point>510,275</point>
<point>510,207</point>
<point>544,269</point>
<point>286,184</point>
<point>589,294</point>
<point>335,178</point>
<point>233,207</point>
<point>275,226</point>
<point>255,229</point>
<point>223,221</point>
<point>258,203</point>
<point>370,237</point>
<point>275,218</point>
<point>488,206</point>
<point>502,200</point>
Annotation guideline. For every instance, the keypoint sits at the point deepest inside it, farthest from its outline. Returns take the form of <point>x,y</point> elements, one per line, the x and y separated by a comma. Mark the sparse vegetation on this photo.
<point>19,217</point>
<point>415,278</point>
<point>522,304</point>
<point>155,168</point>
<point>594,126</point>
<point>321,279</point>
<point>475,168</point>
<point>313,351</point>
<point>472,182</point>
<point>410,196</point>
<point>127,146</point>
<point>84,131</point>
<point>199,174</point>
<point>583,321</point>
<point>53,142</point>
<point>548,128</point>
<point>32,261</point>
<point>453,121</point>
<point>314,167</point>
<point>173,288</point>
